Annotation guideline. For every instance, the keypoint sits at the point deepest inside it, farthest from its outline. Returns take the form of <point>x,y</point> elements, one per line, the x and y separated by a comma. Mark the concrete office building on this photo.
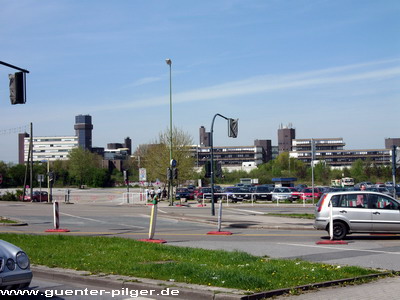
<point>285,136</point>
<point>390,142</point>
<point>205,137</point>
<point>49,148</point>
<point>83,130</point>
<point>332,152</point>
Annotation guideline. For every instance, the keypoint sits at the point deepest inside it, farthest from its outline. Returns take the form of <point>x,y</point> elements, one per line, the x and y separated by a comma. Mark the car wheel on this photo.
<point>339,230</point>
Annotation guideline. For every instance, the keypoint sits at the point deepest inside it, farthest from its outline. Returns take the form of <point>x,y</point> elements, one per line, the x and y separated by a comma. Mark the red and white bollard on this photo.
<point>56,216</point>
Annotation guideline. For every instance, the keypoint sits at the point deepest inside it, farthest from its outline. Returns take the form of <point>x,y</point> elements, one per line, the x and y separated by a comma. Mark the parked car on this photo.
<point>234,193</point>
<point>205,193</point>
<point>183,193</point>
<point>261,192</point>
<point>15,270</point>
<point>295,193</point>
<point>357,211</point>
<point>281,193</point>
<point>37,196</point>
<point>382,190</point>
<point>307,194</point>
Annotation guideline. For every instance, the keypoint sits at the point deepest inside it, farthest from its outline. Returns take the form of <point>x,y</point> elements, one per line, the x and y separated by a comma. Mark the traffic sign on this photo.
<point>142,174</point>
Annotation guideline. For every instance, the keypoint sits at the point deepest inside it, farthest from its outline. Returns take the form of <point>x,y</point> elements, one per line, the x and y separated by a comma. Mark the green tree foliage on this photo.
<point>155,157</point>
<point>83,165</point>
<point>322,173</point>
<point>16,175</point>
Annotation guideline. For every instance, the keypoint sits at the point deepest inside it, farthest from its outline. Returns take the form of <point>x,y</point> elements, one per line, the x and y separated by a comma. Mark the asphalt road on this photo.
<point>100,213</point>
<point>104,213</point>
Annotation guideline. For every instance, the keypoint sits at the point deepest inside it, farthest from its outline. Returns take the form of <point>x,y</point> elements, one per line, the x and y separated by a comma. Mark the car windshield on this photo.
<point>282,190</point>
<point>262,189</point>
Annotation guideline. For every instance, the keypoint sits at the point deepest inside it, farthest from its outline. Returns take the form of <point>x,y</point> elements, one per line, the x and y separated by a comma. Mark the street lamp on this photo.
<point>169,63</point>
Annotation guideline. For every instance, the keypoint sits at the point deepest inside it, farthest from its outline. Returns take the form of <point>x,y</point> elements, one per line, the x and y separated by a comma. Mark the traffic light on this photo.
<point>208,169</point>
<point>51,176</point>
<point>169,173</point>
<point>218,171</point>
<point>126,177</point>
<point>233,128</point>
<point>175,173</point>
<point>17,88</point>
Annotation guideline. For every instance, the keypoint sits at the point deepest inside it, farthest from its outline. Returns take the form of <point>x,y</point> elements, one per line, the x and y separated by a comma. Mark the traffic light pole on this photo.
<point>14,67</point>
<point>230,134</point>
<point>394,165</point>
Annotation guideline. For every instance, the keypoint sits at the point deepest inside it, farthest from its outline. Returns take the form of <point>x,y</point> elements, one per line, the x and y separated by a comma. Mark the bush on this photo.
<point>8,196</point>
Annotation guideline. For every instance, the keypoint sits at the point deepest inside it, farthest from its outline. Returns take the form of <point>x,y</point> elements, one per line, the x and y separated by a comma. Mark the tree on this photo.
<point>82,164</point>
<point>155,156</point>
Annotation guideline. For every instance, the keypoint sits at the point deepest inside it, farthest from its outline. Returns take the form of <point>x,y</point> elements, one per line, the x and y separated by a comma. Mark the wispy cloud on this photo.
<point>146,80</point>
<point>267,83</point>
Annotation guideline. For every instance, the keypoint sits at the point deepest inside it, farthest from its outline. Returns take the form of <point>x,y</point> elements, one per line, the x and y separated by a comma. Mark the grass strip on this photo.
<point>7,221</point>
<point>298,216</point>
<point>240,270</point>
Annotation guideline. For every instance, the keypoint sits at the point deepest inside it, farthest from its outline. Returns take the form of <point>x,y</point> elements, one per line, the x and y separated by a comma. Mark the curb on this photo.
<point>186,291</point>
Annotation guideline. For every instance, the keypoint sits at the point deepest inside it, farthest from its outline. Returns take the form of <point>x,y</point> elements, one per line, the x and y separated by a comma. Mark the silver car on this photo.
<point>357,211</point>
<point>15,270</point>
<point>281,193</point>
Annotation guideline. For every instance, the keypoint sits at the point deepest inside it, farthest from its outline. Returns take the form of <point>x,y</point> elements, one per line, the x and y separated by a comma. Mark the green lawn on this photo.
<point>299,216</point>
<point>7,221</point>
<point>112,255</point>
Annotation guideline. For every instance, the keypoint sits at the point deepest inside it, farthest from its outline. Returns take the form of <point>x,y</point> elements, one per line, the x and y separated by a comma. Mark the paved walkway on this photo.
<point>385,289</point>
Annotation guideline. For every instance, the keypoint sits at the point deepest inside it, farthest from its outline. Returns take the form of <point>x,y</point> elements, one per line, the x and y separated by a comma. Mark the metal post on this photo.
<point>212,162</point>
<point>31,164</point>
<point>394,169</point>
<point>312,169</point>
<point>169,62</point>
<point>220,215</point>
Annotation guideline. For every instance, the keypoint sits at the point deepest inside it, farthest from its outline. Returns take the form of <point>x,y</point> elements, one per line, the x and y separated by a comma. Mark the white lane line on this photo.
<point>340,248</point>
<point>103,222</point>
<point>246,210</point>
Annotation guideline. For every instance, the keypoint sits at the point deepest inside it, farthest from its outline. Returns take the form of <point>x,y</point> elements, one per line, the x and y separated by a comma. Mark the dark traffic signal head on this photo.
<point>17,88</point>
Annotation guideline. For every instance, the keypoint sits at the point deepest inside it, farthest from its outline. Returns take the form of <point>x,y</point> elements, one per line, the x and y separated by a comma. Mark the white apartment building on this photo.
<point>50,148</point>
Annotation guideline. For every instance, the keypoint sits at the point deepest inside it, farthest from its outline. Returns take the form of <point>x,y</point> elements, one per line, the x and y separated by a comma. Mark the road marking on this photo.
<point>100,221</point>
<point>340,248</point>
<point>246,210</point>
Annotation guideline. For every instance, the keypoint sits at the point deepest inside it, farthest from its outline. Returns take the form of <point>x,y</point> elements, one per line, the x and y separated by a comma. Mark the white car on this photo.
<point>357,211</point>
<point>15,270</point>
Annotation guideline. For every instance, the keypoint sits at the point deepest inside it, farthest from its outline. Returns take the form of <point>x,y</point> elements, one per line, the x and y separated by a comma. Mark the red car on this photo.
<point>37,196</point>
<point>295,193</point>
<point>306,194</point>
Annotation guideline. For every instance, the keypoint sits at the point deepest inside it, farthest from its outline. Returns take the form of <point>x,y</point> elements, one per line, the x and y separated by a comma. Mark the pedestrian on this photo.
<point>159,193</point>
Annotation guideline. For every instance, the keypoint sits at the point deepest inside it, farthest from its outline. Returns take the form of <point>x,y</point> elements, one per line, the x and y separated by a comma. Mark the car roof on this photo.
<point>354,192</point>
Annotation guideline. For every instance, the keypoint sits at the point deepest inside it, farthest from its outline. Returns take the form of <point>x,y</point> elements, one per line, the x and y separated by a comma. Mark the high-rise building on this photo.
<point>21,147</point>
<point>267,149</point>
<point>128,144</point>
<point>285,136</point>
<point>83,130</point>
<point>205,137</point>
<point>390,142</point>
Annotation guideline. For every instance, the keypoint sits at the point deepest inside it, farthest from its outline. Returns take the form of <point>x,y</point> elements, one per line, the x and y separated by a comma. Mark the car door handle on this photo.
<point>376,213</point>
<point>343,211</point>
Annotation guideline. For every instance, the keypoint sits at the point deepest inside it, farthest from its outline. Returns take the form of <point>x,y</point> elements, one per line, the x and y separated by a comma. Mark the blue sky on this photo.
<point>331,68</point>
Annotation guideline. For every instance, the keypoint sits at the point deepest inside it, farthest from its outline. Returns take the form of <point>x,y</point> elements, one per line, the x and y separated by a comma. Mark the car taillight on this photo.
<point>321,202</point>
